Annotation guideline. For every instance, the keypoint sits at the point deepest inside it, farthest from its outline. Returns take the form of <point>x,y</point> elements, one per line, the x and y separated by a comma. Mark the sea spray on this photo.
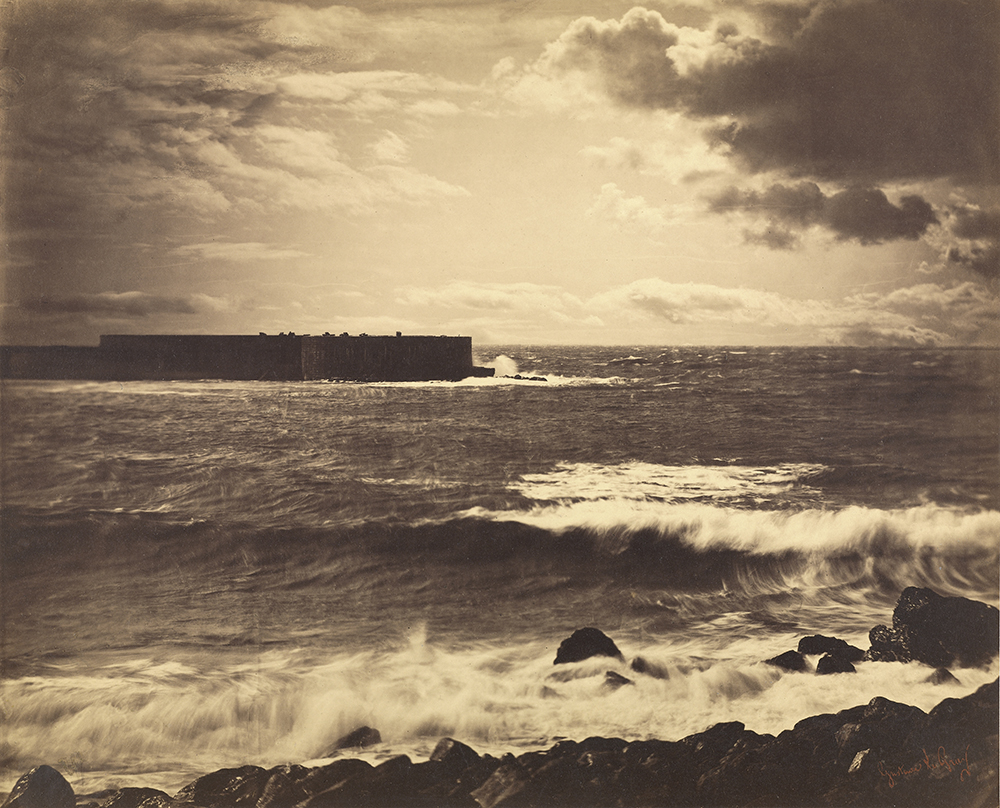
<point>201,575</point>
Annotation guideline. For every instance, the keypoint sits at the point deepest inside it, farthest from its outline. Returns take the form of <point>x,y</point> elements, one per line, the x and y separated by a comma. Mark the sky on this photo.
<point>713,172</point>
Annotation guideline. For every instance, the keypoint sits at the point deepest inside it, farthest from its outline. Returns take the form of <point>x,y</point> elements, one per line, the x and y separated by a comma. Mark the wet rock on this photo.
<point>642,665</point>
<point>324,778</point>
<point>819,644</point>
<point>878,754</point>
<point>790,661</point>
<point>585,643</point>
<point>358,738</point>
<point>506,782</point>
<point>833,663</point>
<point>709,746</point>
<point>42,787</point>
<point>454,755</point>
<point>139,798</point>
<point>942,676</point>
<point>226,787</point>
<point>886,645</point>
<point>938,631</point>
<point>283,787</point>
<point>384,785</point>
<point>614,680</point>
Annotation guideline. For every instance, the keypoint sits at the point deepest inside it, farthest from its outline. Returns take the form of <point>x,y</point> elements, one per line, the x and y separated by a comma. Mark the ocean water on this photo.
<point>205,574</point>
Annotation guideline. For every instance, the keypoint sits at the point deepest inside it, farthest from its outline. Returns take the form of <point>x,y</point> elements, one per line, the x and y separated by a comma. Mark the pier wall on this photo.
<point>283,357</point>
<point>277,358</point>
<point>395,359</point>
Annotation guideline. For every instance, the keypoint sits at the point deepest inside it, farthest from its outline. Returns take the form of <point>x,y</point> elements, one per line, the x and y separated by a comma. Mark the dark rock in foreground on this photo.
<point>641,665</point>
<point>942,676</point>
<point>139,798</point>
<point>585,643</point>
<point>361,737</point>
<point>790,661</point>
<point>878,754</point>
<point>832,663</point>
<point>819,644</point>
<point>938,631</point>
<point>42,787</point>
<point>614,680</point>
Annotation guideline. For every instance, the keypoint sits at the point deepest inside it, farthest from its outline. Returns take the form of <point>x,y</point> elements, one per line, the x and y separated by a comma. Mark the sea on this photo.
<point>205,574</point>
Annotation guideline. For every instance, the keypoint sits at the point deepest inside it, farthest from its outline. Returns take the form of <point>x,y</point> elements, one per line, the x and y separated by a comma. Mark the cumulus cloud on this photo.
<point>631,214</point>
<point>857,214</point>
<point>859,91</point>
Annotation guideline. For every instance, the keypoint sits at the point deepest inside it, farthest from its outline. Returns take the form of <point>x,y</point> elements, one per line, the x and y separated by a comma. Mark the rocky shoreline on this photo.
<point>879,754</point>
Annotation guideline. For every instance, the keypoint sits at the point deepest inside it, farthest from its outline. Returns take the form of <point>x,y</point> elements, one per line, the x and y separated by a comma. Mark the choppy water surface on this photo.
<point>205,574</point>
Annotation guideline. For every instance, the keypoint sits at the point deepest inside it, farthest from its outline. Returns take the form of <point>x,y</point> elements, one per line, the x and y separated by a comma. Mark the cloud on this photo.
<point>861,92</point>
<point>656,159</point>
<point>153,120</point>
<point>972,239</point>
<point>656,310</point>
<point>631,214</point>
<point>909,336</point>
<point>239,252</point>
<point>629,56</point>
<point>926,314</point>
<point>685,303</point>
<point>124,305</point>
<point>864,215</point>
<point>494,297</point>
<point>390,148</point>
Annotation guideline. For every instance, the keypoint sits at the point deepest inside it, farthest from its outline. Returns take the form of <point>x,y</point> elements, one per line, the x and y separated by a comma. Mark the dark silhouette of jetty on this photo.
<point>282,357</point>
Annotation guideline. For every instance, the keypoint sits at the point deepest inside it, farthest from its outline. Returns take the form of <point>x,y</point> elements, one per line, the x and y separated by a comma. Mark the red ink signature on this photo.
<point>929,763</point>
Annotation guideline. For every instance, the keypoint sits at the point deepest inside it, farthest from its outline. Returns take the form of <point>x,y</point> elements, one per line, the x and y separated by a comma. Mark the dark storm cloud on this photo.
<point>975,239</point>
<point>125,305</point>
<point>857,214</point>
<point>975,223</point>
<point>857,90</point>
<point>867,216</point>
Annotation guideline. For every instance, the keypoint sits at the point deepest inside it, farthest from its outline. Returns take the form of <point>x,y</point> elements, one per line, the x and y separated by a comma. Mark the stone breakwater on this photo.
<point>878,754</point>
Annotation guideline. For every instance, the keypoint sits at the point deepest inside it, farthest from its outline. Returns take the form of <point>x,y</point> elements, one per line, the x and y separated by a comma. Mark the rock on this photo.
<point>614,680</point>
<point>42,787</point>
<point>454,754</point>
<point>508,780</point>
<point>790,661</point>
<point>138,798</point>
<point>359,738</point>
<point>387,784</point>
<point>226,787</point>
<point>283,787</point>
<point>641,665</point>
<point>584,644</point>
<point>819,644</point>
<point>833,663</point>
<point>942,676</point>
<point>938,631</point>
<point>324,778</point>
<point>879,754</point>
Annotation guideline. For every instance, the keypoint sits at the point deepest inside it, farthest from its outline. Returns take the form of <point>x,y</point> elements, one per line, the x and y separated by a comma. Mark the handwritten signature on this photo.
<point>941,760</point>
